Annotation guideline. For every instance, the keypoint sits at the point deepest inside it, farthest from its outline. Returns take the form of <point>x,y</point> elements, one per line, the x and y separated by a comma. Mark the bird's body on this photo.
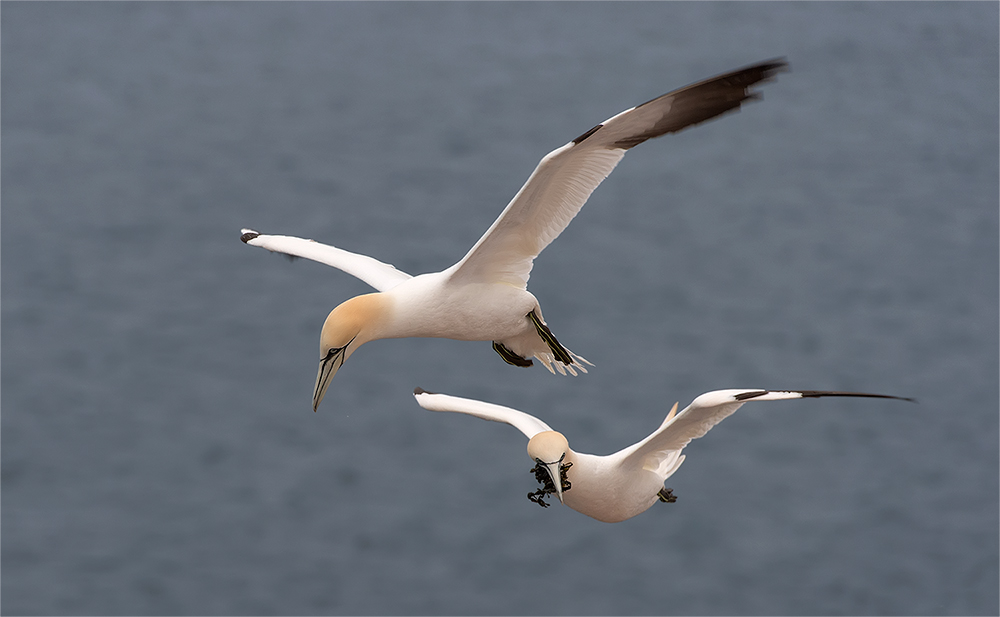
<point>618,486</point>
<point>610,489</point>
<point>432,305</point>
<point>484,296</point>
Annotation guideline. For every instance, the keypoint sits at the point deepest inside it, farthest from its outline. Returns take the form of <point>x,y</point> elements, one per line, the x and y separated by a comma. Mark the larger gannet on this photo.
<point>484,296</point>
<point>619,486</point>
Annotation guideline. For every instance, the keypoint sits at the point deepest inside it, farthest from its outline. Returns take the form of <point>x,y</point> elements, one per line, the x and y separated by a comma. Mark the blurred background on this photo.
<point>159,453</point>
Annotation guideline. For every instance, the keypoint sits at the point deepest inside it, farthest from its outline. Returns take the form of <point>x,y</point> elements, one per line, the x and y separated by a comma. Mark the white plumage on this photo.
<point>484,296</point>
<point>618,486</point>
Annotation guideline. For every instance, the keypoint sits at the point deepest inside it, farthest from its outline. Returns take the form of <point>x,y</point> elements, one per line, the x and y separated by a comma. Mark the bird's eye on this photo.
<point>336,350</point>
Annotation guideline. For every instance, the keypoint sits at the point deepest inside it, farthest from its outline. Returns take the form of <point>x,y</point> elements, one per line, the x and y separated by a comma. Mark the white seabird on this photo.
<point>619,486</point>
<point>484,296</point>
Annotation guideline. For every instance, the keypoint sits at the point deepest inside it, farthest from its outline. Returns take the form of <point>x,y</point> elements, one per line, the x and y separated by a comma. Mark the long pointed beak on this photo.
<point>327,369</point>
<point>553,469</point>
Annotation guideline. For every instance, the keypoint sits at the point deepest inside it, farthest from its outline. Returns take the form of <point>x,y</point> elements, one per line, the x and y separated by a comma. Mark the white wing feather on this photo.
<point>564,179</point>
<point>526,423</point>
<point>381,276</point>
<point>704,413</point>
<point>554,193</point>
<point>557,189</point>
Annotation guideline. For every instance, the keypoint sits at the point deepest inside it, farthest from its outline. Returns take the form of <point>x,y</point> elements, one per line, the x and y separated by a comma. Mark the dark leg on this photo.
<point>666,495</point>
<point>543,331</point>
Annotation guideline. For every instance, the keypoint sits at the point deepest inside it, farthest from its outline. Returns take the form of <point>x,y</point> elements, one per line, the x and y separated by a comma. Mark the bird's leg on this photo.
<point>509,356</point>
<point>666,495</point>
<point>543,331</point>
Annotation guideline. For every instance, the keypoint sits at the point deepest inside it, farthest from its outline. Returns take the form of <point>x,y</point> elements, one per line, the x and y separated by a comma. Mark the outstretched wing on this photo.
<point>379,275</point>
<point>527,424</point>
<point>705,412</point>
<point>565,178</point>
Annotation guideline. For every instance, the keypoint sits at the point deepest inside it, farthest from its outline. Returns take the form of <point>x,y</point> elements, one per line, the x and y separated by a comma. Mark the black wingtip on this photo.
<point>822,393</point>
<point>248,236</point>
<point>706,99</point>
<point>765,70</point>
<point>419,390</point>
<point>773,66</point>
<point>746,396</point>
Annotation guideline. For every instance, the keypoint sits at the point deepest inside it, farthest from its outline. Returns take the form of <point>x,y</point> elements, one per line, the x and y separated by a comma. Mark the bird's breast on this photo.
<point>608,493</point>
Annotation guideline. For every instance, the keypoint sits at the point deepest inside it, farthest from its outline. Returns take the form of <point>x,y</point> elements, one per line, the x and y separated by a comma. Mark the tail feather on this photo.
<point>550,362</point>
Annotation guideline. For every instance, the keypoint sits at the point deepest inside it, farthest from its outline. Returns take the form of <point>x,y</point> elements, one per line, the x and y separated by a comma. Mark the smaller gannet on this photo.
<point>484,297</point>
<point>619,486</point>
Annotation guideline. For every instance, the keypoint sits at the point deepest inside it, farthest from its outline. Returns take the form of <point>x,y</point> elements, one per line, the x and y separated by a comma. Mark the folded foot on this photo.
<point>509,356</point>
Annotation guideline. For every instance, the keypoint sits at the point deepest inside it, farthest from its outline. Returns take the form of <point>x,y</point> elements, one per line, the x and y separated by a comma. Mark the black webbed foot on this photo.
<point>666,495</point>
<point>509,356</point>
<point>557,349</point>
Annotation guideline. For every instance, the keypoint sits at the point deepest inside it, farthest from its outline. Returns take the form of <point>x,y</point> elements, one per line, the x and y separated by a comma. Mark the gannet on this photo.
<point>484,296</point>
<point>619,486</point>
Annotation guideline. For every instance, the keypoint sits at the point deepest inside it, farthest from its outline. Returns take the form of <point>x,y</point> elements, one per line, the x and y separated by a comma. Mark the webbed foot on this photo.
<point>557,349</point>
<point>509,356</point>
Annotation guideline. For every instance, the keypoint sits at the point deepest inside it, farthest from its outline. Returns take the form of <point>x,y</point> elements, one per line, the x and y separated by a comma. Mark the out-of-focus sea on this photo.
<point>159,453</point>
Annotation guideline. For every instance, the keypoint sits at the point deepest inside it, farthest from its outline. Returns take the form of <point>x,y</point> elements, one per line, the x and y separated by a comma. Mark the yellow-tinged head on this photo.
<point>346,328</point>
<point>549,449</point>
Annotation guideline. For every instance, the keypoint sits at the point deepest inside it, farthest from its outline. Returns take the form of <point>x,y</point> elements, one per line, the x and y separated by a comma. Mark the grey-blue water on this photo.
<point>159,451</point>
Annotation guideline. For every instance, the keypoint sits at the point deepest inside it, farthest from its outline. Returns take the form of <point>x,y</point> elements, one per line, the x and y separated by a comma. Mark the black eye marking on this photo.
<point>336,350</point>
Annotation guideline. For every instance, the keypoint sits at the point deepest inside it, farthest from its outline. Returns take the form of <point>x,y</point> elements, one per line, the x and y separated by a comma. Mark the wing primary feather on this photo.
<point>704,100</point>
<point>564,179</point>
<point>706,411</point>
<point>745,396</point>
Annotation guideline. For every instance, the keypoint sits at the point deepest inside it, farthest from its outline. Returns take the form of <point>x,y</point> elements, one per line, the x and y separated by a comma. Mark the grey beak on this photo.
<point>328,367</point>
<point>553,469</point>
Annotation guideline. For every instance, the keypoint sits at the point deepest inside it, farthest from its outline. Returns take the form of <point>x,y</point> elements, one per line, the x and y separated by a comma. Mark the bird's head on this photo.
<point>550,450</point>
<point>346,328</point>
